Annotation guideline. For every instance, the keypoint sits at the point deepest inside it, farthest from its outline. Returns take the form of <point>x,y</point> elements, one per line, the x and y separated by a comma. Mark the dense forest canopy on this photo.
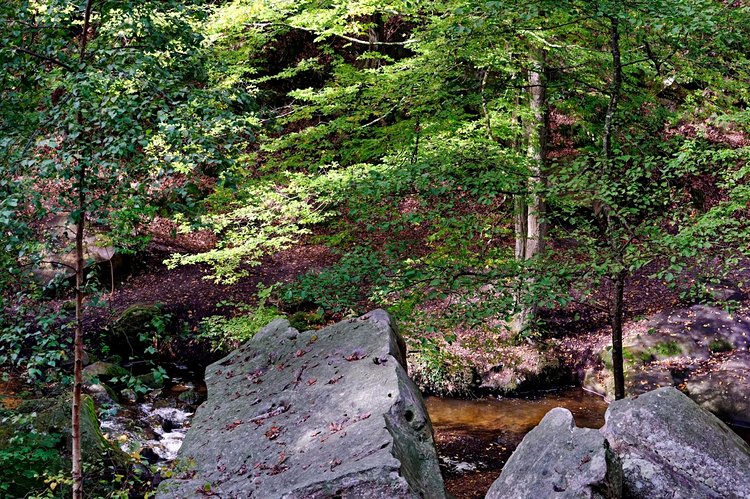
<point>471,165</point>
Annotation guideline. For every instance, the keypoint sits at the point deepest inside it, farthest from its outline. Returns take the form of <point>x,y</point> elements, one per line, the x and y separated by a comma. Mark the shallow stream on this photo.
<point>156,425</point>
<point>476,437</point>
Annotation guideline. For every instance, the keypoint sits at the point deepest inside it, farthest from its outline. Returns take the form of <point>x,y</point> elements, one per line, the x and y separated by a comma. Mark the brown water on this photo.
<point>476,437</point>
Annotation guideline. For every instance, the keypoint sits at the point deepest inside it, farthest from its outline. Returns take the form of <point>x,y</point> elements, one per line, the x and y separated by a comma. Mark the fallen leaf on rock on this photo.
<point>273,433</point>
<point>356,355</point>
<point>334,427</point>
<point>233,425</point>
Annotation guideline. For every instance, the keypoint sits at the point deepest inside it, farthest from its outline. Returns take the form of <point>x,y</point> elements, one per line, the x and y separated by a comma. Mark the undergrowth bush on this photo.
<point>34,343</point>
<point>225,333</point>
<point>361,275</point>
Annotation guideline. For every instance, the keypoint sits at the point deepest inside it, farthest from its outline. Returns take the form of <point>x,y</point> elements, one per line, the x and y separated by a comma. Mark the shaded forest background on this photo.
<point>506,178</point>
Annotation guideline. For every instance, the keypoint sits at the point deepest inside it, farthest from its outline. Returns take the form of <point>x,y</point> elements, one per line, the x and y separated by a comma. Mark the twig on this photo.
<point>44,58</point>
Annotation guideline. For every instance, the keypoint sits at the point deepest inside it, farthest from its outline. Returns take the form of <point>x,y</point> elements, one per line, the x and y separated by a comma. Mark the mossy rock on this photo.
<point>103,372</point>
<point>718,345</point>
<point>190,397</point>
<point>668,349</point>
<point>444,374</point>
<point>150,380</point>
<point>132,331</point>
<point>53,416</point>
<point>46,424</point>
<point>305,321</point>
<point>631,355</point>
<point>641,373</point>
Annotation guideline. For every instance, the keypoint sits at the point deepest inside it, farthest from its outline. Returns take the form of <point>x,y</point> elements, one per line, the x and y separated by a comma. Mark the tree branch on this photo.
<point>345,37</point>
<point>42,57</point>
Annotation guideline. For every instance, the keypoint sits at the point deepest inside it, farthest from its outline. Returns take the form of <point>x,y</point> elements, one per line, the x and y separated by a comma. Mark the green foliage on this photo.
<point>718,345</point>
<point>25,458</point>
<point>435,370</point>
<point>667,349</point>
<point>305,321</point>
<point>140,329</point>
<point>397,128</point>
<point>35,346</point>
<point>345,286</point>
<point>224,333</point>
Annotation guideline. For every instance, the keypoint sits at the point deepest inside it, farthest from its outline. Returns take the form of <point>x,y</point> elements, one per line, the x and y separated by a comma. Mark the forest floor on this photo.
<point>578,332</point>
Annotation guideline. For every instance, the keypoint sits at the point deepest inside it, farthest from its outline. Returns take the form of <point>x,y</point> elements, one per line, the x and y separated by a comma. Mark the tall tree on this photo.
<point>109,97</point>
<point>629,174</point>
<point>530,216</point>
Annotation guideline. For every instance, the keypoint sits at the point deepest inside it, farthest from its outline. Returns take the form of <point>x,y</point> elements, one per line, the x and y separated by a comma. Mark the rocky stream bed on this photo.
<point>474,437</point>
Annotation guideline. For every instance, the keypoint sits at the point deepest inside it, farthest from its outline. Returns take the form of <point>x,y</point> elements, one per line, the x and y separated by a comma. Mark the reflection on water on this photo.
<point>476,437</point>
<point>514,415</point>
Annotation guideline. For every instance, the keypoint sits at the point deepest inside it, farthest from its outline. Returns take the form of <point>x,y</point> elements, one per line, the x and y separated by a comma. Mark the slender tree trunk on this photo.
<point>537,152</point>
<point>530,224</point>
<point>374,36</point>
<point>615,90</point>
<point>78,346</point>
<point>80,186</point>
<point>521,210</point>
<point>618,279</point>
<point>615,319</point>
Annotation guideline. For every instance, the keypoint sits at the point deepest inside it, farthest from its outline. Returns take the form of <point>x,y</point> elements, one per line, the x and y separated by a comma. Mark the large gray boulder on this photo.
<point>671,448</point>
<point>725,390</point>
<point>558,460</point>
<point>673,345</point>
<point>60,257</point>
<point>319,414</point>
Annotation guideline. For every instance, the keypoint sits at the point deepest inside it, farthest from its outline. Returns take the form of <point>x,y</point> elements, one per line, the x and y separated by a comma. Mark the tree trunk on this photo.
<point>530,224</point>
<point>615,319</point>
<point>537,152</point>
<point>618,279</point>
<point>78,353</point>
<point>80,186</point>
<point>374,36</point>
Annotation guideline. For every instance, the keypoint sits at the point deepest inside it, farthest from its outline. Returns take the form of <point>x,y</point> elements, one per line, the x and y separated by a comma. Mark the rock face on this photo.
<point>703,346</point>
<point>671,448</point>
<point>61,233</point>
<point>319,414</point>
<point>48,420</point>
<point>725,391</point>
<point>134,329</point>
<point>557,459</point>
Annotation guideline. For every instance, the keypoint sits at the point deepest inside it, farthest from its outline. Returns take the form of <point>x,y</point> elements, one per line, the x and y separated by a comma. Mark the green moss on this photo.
<point>102,372</point>
<point>667,349</point>
<point>439,372</point>
<point>35,441</point>
<point>720,345</point>
<point>133,332</point>
<point>305,321</point>
<point>635,356</point>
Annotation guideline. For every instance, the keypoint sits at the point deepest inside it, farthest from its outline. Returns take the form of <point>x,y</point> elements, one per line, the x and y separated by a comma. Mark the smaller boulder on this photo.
<point>725,390</point>
<point>134,329</point>
<point>190,397</point>
<point>557,459</point>
<point>671,448</point>
<point>128,396</point>
<point>725,291</point>
<point>102,372</point>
